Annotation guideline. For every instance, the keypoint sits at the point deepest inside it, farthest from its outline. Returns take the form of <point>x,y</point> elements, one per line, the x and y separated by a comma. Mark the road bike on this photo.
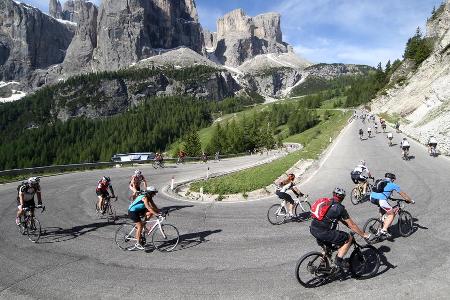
<point>405,153</point>
<point>383,126</point>
<point>357,194</point>
<point>433,151</point>
<point>369,133</point>
<point>404,223</point>
<point>158,164</point>
<point>30,225</point>
<point>390,142</point>
<point>164,237</point>
<point>107,210</point>
<point>180,160</point>
<point>318,268</point>
<point>278,213</point>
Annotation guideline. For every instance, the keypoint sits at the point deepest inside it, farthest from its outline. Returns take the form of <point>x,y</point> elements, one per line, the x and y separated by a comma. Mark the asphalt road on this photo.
<point>227,250</point>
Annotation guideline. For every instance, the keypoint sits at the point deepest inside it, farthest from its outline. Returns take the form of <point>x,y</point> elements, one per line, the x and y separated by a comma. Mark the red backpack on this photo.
<point>320,208</point>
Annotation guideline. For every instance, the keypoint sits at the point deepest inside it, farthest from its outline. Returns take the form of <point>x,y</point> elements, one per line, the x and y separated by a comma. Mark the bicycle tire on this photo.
<point>167,242</point>
<point>124,237</point>
<point>364,262</point>
<point>33,229</point>
<point>405,223</point>
<point>303,210</point>
<point>276,214</point>
<point>373,226</point>
<point>355,196</point>
<point>111,214</point>
<point>22,227</point>
<point>306,263</point>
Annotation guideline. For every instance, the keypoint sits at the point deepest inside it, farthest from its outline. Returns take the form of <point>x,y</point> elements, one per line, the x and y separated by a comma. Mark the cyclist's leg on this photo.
<point>289,201</point>
<point>389,212</point>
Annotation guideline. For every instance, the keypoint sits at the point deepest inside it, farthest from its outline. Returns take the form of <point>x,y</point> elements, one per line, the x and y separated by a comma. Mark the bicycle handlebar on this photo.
<point>42,208</point>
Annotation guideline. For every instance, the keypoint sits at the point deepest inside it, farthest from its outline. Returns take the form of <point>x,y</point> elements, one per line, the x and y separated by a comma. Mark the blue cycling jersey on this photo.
<point>388,189</point>
<point>138,204</point>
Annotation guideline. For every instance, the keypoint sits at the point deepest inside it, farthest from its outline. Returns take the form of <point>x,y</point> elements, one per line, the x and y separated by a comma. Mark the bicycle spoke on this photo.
<point>165,238</point>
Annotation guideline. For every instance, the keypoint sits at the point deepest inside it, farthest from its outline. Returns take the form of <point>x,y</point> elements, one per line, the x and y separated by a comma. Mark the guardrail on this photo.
<point>86,166</point>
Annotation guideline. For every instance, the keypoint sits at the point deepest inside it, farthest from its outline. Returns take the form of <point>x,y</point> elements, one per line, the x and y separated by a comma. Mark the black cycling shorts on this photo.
<point>136,216</point>
<point>26,204</point>
<point>285,196</point>
<point>104,194</point>
<point>433,145</point>
<point>406,147</point>
<point>335,237</point>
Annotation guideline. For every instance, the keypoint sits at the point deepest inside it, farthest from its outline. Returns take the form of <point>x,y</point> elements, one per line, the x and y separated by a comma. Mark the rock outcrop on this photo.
<point>129,31</point>
<point>69,12</point>
<point>80,52</point>
<point>422,96</point>
<point>240,37</point>
<point>55,9</point>
<point>29,40</point>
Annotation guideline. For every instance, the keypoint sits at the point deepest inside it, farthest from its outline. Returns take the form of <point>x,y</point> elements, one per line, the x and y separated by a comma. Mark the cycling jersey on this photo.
<point>29,191</point>
<point>387,192</point>
<point>286,187</point>
<point>102,186</point>
<point>136,180</point>
<point>432,140</point>
<point>137,204</point>
<point>325,230</point>
<point>405,144</point>
<point>369,129</point>
<point>362,171</point>
<point>390,135</point>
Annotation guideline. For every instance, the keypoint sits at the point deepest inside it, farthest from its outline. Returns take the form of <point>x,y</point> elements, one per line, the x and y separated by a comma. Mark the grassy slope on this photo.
<point>315,140</point>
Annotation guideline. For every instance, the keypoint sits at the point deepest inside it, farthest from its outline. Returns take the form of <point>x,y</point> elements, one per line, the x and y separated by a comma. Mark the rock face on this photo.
<point>29,40</point>
<point>80,52</point>
<point>240,37</point>
<point>331,71</point>
<point>54,9</point>
<point>422,97</point>
<point>128,31</point>
<point>68,12</point>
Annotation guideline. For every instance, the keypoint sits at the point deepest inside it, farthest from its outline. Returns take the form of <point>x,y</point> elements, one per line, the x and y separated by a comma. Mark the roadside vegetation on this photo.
<point>315,141</point>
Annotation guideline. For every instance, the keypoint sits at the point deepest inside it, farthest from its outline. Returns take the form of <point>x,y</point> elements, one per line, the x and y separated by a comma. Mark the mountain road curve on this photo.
<point>226,250</point>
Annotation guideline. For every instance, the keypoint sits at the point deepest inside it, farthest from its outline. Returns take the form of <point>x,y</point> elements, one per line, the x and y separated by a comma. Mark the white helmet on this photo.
<point>137,173</point>
<point>362,162</point>
<point>151,189</point>
<point>33,180</point>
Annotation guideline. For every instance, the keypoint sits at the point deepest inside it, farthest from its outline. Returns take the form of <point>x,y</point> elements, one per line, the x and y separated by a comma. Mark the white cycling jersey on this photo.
<point>432,140</point>
<point>363,170</point>
<point>405,144</point>
<point>369,129</point>
<point>390,135</point>
<point>286,187</point>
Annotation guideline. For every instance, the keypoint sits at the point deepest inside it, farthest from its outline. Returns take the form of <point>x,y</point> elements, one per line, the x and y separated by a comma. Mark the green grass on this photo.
<point>394,118</point>
<point>315,141</point>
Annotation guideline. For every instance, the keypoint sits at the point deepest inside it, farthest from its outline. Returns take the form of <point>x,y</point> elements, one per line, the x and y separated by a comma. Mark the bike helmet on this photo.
<point>404,139</point>
<point>33,180</point>
<point>151,189</point>
<point>339,194</point>
<point>362,162</point>
<point>390,176</point>
<point>106,178</point>
<point>137,173</point>
<point>291,175</point>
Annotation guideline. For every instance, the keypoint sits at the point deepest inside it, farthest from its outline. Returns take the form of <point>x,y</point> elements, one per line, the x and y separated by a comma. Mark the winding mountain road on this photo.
<point>227,250</point>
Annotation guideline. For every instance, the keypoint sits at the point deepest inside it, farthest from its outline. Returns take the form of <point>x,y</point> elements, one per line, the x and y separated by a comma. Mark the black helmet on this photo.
<point>339,194</point>
<point>106,178</point>
<point>390,176</point>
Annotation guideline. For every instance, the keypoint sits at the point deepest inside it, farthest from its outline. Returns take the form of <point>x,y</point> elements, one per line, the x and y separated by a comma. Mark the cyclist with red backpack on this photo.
<point>381,192</point>
<point>326,213</point>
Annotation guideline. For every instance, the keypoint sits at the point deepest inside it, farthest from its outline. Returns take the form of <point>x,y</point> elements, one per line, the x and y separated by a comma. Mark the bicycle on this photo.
<point>357,194</point>
<point>30,225</point>
<point>433,151</point>
<point>405,154</point>
<point>369,133</point>
<point>107,209</point>
<point>158,164</point>
<point>383,126</point>
<point>278,213</point>
<point>318,268</point>
<point>390,142</point>
<point>180,160</point>
<point>405,222</point>
<point>165,237</point>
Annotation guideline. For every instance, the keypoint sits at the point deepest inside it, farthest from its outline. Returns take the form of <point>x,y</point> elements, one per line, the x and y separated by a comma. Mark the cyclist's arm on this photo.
<point>145,183</point>
<point>39,196</point>
<point>406,197</point>
<point>112,191</point>
<point>297,192</point>
<point>21,199</point>
<point>150,205</point>
<point>353,227</point>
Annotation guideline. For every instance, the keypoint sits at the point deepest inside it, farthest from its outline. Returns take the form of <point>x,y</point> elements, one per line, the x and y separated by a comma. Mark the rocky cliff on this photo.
<point>55,9</point>
<point>29,40</point>
<point>422,97</point>
<point>240,37</point>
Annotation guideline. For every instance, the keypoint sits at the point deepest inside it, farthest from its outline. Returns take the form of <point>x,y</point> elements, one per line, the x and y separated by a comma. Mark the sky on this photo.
<point>330,31</point>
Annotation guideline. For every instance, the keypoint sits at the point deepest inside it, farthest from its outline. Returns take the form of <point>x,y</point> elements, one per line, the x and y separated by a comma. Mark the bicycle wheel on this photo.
<point>276,214</point>
<point>125,236</point>
<point>155,165</point>
<point>110,214</point>
<point>312,270</point>
<point>373,226</point>
<point>405,223</point>
<point>355,195</point>
<point>33,229</point>
<point>364,262</point>
<point>22,227</point>
<point>303,210</point>
<point>166,238</point>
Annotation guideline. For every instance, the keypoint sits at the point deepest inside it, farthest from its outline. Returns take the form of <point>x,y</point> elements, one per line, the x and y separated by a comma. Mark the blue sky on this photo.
<point>348,31</point>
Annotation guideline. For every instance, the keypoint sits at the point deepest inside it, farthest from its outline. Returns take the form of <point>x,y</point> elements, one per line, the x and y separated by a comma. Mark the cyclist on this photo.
<point>404,145</point>
<point>390,136</point>
<point>376,127</point>
<point>135,183</point>
<point>432,144</point>
<point>159,158</point>
<point>369,130</point>
<point>181,156</point>
<point>283,187</point>
<point>204,157</point>
<point>25,197</point>
<point>325,230</point>
<point>360,175</point>
<point>383,124</point>
<point>102,192</point>
<point>217,156</point>
<point>142,206</point>
<point>397,127</point>
<point>361,133</point>
<point>381,200</point>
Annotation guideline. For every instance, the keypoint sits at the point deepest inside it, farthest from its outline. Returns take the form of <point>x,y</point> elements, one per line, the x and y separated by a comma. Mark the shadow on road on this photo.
<point>173,208</point>
<point>385,265</point>
<point>190,240</point>
<point>57,234</point>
